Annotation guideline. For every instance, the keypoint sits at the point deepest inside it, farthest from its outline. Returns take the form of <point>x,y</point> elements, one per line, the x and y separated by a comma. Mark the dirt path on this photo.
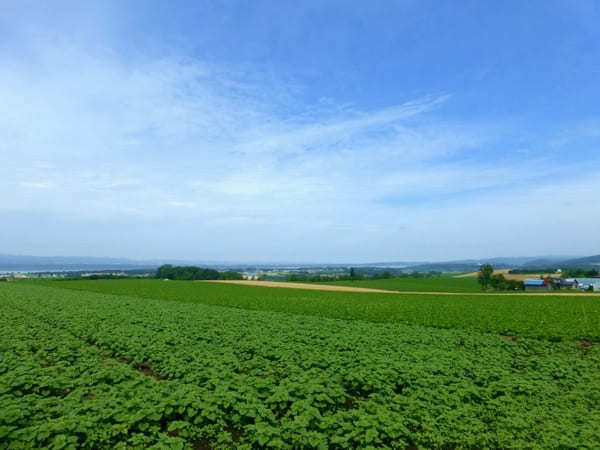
<point>290,285</point>
<point>328,287</point>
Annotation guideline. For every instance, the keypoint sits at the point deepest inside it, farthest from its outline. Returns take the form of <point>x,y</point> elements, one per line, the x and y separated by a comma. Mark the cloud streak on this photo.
<point>89,138</point>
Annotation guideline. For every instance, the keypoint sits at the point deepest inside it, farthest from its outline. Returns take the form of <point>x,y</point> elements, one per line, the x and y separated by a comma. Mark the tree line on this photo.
<point>167,271</point>
<point>565,273</point>
<point>498,282</point>
<point>355,274</point>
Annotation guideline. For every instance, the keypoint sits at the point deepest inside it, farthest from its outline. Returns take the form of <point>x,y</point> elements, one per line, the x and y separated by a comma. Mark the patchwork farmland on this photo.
<point>183,364</point>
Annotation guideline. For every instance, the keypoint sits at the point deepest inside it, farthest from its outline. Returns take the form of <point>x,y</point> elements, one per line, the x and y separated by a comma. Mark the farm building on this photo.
<point>574,282</point>
<point>585,283</point>
<point>569,283</point>
<point>537,285</point>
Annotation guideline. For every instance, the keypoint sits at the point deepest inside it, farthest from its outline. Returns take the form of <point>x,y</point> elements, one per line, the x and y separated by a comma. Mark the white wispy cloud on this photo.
<point>86,135</point>
<point>36,184</point>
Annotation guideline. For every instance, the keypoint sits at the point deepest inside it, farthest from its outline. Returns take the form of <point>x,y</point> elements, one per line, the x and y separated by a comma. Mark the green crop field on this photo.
<point>545,317</point>
<point>142,363</point>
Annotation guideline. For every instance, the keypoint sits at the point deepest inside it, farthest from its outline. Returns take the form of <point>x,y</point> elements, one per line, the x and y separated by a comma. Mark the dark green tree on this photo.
<point>498,282</point>
<point>194,273</point>
<point>485,275</point>
<point>515,285</point>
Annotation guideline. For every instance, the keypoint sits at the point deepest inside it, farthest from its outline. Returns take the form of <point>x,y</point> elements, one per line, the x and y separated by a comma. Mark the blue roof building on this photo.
<point>537,285</point>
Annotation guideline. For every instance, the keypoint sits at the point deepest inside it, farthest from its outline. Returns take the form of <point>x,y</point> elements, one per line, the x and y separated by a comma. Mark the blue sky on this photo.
<point>300,131</point>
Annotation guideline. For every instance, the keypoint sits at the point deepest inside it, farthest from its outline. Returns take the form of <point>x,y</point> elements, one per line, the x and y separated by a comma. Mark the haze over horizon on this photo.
<point>277,131</point>
<point>81,259</point>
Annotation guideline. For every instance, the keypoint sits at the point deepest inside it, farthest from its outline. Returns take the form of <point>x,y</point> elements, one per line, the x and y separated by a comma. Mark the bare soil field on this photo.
<point>326,287</point>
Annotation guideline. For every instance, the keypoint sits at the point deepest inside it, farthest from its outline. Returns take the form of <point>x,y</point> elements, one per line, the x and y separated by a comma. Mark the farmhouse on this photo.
<point>575,283</point>
<point>585,283</point>
<point>569,283</point>
<point>537,285</point>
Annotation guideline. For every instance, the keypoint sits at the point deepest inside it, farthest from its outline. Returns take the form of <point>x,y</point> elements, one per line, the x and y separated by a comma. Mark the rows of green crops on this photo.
<point>89,370</point>
<point>58,391</point>
<point>546,317</point>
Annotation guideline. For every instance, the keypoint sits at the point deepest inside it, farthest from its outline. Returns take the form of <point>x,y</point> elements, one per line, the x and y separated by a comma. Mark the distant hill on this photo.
<point>470,265</point>
<point>449,266</point>
<point>26,259</point>
<point>589,262</point>
<point>16,263</point>
<point>82,263</point>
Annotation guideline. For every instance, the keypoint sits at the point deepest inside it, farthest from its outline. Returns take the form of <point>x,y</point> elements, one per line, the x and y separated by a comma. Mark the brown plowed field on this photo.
<point>328,287</point>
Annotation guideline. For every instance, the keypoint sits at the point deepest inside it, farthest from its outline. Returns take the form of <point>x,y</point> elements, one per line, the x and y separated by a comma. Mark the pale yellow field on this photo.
<point>326,287</point>
<point>312,286</point>
<point>512,276</point>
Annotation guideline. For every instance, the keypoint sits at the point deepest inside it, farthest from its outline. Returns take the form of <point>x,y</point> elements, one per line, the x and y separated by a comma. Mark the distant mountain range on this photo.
<point>588,262</point>
<point>545,262</point>
<point>22,263</point>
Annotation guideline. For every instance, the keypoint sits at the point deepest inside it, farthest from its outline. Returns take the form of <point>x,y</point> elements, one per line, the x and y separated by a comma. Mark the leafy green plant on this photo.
<point>546,317</point>
<point>92,370</point>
